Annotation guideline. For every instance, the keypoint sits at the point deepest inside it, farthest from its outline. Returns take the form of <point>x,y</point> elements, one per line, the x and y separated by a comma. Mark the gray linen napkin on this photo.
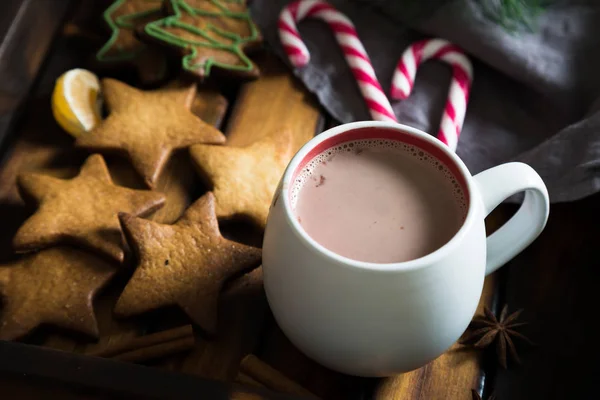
<point>535,97</point>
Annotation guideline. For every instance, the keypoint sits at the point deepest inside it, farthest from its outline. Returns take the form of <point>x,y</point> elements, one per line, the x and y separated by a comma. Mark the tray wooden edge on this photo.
<point>118,377</point>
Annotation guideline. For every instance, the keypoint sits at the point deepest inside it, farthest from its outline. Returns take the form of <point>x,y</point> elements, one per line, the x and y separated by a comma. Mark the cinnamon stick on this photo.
<point>245,379</point>
<point>245,396</point>
<point>157,351</point>
<point>141,342</point>
<point>270,377</point>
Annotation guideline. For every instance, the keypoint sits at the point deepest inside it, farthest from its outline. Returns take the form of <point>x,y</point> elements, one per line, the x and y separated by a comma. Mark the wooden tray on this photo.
<point>552,279</point>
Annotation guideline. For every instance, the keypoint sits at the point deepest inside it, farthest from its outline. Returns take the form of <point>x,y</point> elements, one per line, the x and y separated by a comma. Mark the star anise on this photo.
<point>475,395</point>
<point>486,329</point>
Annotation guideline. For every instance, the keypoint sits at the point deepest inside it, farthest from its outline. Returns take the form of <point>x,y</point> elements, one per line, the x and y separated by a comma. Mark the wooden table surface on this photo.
<point>553,280</point>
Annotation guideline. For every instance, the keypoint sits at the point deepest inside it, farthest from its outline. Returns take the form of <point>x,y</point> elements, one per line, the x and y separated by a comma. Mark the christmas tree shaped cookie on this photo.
<point>123,18</point>
<point>209,34</point>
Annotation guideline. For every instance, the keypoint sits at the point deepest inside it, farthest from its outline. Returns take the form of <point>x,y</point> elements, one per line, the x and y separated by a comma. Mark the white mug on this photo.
<point>372,319</point>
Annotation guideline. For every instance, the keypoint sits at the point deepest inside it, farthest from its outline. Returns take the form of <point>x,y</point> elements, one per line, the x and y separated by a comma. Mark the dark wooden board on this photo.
<point>556,281</point>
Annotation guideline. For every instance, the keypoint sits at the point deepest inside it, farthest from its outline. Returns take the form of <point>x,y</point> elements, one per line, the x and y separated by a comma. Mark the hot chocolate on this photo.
<point>379,201</point>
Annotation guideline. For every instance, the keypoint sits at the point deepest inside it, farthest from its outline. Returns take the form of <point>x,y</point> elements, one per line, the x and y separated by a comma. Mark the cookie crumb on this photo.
<point>402,228</point>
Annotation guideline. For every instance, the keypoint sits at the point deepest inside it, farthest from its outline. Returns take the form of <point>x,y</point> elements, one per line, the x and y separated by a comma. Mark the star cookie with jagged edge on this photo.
<point>209,34</point>
<point>124,18</point>
<point>147,126</point>
<point>82,211</point>
<point>185,264</point>
<point>244,179</point>
<point>56,286</point>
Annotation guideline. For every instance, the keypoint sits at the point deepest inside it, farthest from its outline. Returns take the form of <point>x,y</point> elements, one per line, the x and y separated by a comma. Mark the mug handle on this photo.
<point>496,185</point>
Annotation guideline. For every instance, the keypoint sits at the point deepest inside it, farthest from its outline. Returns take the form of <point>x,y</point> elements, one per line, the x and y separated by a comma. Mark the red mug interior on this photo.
<point>375,133</point>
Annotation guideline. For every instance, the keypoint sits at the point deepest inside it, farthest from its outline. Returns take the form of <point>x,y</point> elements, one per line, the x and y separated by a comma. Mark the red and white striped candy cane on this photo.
<point>458,94</point>
<point>346,36</point>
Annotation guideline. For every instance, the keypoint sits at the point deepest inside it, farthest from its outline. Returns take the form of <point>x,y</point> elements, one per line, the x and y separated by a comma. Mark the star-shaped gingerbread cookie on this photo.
<point>185,264</point>
<point>209,34</point>
<point>147,126</point>
<point>244,179</point>
<point>55,286</point>
<point>82,211</point>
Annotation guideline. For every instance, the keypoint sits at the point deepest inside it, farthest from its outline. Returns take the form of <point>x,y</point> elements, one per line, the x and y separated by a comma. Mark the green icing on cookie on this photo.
<point>229,41</point>
<point>127,22</point>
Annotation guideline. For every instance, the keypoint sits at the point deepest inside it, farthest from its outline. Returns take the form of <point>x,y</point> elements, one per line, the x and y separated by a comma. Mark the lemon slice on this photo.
<point>76,101</point>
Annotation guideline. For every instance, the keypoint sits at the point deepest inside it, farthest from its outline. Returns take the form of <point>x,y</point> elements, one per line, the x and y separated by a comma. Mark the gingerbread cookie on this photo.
<point>244,178</point>
<point>250,283</point>
<point>146,126</point>
<point>209,34</point>
<point>123,18</point>
<point>55,286</point>
<point>185,264</point>
<point>80,211</point>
